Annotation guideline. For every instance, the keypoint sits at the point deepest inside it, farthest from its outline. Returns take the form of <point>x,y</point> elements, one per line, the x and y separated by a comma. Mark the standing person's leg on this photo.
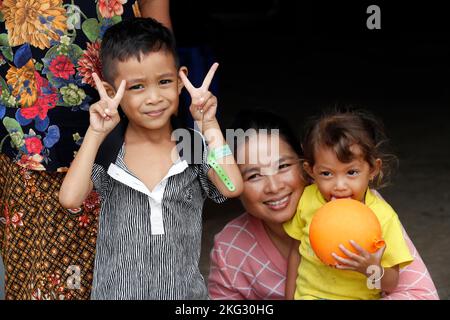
<point>47,251</point>
<point>2,268</point>
<point>2,280</point>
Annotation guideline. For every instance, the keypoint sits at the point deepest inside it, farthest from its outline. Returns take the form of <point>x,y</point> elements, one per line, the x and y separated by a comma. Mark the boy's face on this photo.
<point>336,179</point>
<point>152,89</point>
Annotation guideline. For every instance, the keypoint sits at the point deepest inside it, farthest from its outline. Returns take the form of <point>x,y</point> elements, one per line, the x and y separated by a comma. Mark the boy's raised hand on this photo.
<point>204,104</point>
<point>103,114</point>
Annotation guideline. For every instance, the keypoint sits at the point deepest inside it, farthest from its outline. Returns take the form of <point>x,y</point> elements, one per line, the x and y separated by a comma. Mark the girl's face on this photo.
<point>272,179</point>
<point>337,180</point>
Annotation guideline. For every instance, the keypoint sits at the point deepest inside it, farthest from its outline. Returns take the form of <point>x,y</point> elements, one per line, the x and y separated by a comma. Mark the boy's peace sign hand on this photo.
<point>103,114</point>
<point>204,103</point>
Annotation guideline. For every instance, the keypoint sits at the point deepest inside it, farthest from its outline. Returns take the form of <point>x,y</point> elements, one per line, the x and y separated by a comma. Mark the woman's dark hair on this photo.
<point>133,38</point>
<point>340,129</point>
<point>260,119</point>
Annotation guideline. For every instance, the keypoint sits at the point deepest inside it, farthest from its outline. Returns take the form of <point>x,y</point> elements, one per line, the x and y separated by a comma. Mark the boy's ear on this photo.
<point>180,82</point>
<point>308,169</point>
<point>109,89</point>
<point>375,170</point>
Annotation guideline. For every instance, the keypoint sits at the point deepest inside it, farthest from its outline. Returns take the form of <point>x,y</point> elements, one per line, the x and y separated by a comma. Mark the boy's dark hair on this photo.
<point>262,119</point>
<point>339,129</point>
<point>133,38</point>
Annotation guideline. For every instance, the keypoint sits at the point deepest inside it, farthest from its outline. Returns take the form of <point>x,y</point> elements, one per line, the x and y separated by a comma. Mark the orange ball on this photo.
<point>338,222</point>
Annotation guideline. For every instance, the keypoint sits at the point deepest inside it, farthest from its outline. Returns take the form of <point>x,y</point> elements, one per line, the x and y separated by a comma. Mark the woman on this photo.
<point>249,257</point>
<point>46,87</point>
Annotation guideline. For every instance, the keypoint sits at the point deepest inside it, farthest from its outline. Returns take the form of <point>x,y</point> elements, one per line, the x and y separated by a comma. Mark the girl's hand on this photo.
<point>103,115</point>
<point>359,262</point>
<point>204,104</point>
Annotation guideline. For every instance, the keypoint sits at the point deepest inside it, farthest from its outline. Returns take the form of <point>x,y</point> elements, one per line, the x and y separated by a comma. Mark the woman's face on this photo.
<point>272,178</point>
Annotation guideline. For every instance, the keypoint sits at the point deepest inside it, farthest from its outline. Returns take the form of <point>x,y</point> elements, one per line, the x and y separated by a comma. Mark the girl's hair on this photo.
<point>262,119</point>
<point>340,130</point>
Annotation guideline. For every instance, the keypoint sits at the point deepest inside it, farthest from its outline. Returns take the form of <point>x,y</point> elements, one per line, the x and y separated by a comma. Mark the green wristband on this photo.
<point>213,156</point>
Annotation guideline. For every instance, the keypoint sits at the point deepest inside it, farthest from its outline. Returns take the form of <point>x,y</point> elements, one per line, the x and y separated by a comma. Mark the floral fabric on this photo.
<point>48,252</point>
<point>48,52</point>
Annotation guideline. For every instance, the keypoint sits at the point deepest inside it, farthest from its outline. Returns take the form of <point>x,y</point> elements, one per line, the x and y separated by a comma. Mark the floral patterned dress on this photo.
<point>48,52</point>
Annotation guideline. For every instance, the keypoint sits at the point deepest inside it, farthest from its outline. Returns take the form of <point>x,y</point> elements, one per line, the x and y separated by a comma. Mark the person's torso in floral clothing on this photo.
<point>49,50</point>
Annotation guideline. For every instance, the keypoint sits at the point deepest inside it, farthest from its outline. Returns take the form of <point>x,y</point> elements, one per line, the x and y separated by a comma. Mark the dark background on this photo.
<point>299,57</point>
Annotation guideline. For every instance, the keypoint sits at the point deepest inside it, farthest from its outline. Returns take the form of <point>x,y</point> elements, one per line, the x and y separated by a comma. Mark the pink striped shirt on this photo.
<point>245,264</point>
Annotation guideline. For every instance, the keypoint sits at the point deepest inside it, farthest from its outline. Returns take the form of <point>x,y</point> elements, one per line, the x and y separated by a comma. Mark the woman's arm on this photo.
<point>156,9</point>
<point>414,281</point>
<point>292,270</point>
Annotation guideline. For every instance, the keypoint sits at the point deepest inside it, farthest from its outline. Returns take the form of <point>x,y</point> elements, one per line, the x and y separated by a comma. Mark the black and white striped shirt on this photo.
<point>149,243</point>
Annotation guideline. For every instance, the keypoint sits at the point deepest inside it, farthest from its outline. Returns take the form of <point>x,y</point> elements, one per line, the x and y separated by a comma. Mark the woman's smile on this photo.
<point>279,203</point>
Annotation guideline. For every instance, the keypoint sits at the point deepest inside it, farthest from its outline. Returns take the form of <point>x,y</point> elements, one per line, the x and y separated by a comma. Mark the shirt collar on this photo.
<point>191,144</point>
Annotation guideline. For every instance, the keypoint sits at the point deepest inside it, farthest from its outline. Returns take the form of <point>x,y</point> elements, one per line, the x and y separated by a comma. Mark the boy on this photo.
<point>149,236</point>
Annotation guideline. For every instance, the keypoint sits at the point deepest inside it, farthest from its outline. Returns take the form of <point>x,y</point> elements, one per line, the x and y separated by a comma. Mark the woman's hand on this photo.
<point>103,115</point>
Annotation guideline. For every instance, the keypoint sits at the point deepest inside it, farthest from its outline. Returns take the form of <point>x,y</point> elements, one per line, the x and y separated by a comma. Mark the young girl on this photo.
<point>343,156</point>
